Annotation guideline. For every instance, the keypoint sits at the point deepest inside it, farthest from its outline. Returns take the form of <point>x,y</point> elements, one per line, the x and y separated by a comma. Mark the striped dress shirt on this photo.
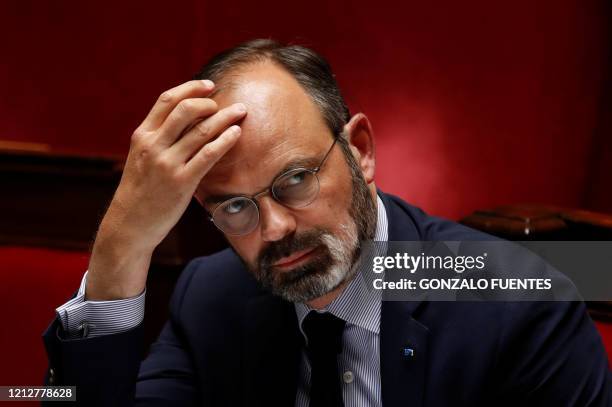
<point>89,319</point>
<point>358,305</point>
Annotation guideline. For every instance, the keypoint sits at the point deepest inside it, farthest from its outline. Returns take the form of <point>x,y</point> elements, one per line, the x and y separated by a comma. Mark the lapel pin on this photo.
<point>408,352</point>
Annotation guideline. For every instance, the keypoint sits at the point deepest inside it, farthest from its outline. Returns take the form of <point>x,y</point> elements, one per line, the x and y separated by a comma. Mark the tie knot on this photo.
<point>324,332</point>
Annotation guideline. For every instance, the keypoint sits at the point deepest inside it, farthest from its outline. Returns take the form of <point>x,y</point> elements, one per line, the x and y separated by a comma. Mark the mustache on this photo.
<point>289,245</point>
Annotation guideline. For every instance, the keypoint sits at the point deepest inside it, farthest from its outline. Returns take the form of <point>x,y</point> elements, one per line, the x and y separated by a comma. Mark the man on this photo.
<point>265,142</point>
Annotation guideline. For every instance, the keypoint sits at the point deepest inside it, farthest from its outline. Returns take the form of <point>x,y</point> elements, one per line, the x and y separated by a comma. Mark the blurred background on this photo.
<point>495,114</point>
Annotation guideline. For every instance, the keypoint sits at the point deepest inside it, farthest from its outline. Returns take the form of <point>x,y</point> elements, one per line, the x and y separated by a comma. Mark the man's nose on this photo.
<point>276,220</point>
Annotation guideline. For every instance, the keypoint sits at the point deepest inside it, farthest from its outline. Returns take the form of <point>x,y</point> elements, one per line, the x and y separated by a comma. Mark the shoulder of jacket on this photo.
<point>220,277</point>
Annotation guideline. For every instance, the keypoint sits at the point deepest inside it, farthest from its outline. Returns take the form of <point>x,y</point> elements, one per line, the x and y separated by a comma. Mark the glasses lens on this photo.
<point>237,216</point>
<point>296,188</point>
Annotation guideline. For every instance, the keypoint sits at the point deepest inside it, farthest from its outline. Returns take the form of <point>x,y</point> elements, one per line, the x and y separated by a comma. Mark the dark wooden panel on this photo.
<point>54,200</point>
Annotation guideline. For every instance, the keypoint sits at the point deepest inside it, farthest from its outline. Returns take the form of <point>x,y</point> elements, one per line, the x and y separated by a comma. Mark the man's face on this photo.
<point>299,254</point>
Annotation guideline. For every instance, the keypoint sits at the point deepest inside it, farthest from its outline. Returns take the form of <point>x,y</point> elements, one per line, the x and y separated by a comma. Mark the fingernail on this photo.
<point>235,130</point>
<point>208,83</point>
<point>240,107</point>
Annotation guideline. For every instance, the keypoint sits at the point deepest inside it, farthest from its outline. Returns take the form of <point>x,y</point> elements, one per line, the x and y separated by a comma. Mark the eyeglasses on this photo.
<point>295,188</point>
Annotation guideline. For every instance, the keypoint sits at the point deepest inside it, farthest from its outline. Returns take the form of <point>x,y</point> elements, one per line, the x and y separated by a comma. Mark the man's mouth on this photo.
<point>295,258</point>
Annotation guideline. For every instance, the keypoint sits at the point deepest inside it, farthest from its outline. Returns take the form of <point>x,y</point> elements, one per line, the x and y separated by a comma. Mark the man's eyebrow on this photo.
<point>216,199</point>
<point>304,162</point>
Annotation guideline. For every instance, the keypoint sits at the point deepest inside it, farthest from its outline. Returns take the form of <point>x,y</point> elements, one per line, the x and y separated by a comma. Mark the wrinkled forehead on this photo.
<point>282,124</point>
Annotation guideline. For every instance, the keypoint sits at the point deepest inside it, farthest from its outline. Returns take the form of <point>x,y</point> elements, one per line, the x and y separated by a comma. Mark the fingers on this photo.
<point>168,100</point>
<point>212,152</point>
<point>207,129</point>
<point>182,117</point>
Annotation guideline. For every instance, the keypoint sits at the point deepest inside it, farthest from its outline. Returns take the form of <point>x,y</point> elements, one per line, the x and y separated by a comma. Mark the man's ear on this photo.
<point>358,132</point>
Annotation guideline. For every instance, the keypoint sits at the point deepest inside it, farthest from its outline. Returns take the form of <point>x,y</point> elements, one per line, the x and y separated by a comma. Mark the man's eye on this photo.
<point>294,179</point>
<point>234,207</point>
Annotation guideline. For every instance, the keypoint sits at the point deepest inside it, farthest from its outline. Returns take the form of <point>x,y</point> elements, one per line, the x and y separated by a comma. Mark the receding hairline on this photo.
<point>229,79</point>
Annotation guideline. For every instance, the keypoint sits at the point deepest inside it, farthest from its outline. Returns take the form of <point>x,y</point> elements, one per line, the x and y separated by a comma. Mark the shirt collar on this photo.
<point>358,304</point>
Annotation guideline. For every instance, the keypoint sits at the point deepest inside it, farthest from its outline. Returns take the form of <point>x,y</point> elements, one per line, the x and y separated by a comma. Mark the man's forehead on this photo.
<point>263,152</point>
<point>282,123</point>
<point>276,104</point>
<point>268,91</point>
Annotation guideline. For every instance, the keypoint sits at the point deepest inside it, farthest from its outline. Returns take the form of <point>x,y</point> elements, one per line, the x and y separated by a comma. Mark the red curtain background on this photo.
<point>474,104</point>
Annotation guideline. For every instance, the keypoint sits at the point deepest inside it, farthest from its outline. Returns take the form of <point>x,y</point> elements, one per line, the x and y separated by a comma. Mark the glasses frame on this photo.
<point>270,190</point>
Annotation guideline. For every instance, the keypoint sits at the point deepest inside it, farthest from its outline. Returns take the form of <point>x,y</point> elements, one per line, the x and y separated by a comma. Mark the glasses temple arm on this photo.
<point>327,154</point>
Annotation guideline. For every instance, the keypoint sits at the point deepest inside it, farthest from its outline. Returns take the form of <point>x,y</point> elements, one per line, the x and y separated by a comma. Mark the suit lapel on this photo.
<point>403,340</point>
<point>271,352</point>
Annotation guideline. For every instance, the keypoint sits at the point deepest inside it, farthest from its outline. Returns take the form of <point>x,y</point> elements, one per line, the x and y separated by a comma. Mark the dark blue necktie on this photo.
<point>324,333</point>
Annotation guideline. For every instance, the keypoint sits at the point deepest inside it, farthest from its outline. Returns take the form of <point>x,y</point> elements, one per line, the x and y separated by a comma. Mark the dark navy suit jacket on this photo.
<point>229,343</point>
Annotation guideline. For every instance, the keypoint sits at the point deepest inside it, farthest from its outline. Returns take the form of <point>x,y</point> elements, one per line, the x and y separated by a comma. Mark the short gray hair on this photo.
<point>310,70</point>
